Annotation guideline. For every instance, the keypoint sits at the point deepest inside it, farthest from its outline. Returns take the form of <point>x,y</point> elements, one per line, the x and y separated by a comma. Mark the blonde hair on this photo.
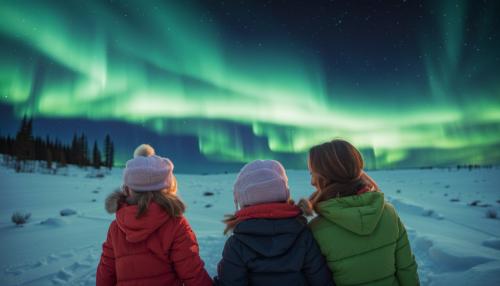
<point>166,198</point>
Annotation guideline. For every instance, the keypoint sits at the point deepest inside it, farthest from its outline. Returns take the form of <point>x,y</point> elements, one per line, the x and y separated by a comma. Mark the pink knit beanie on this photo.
<point>147,171</point>
<point>261,181</point>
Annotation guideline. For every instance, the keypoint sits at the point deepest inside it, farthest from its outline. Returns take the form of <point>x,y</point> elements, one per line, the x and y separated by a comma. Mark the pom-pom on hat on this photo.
<point>261,181</point>
<point>147,171</point>
<point>144,150</point>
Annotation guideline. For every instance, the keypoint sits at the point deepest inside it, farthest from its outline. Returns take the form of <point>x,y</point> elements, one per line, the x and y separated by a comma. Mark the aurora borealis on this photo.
<point>411,83</point>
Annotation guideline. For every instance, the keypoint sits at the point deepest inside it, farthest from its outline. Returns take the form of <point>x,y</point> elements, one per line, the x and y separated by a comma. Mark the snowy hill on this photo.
<point>454,242</point>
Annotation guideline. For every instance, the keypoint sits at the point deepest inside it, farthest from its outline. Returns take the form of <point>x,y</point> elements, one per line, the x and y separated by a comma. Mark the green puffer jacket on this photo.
<point>364,241</point>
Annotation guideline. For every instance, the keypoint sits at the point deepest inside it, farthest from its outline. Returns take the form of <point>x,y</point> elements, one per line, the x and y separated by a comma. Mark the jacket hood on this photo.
<point>114,201</point>
<point>139,229</point>
<point>270,237</point>
<point>359,213</point>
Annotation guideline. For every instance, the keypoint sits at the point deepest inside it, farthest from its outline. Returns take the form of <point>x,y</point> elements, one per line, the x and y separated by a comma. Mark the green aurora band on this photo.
<point>162,69</point>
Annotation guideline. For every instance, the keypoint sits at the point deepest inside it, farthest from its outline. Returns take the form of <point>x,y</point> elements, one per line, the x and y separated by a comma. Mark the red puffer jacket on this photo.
<point>155,249</point>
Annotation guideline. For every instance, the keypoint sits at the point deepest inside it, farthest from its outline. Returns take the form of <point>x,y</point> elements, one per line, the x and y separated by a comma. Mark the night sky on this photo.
<point>214,84</point>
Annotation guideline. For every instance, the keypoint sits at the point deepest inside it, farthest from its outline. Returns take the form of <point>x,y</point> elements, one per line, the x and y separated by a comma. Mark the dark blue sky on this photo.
<point>214,84</point>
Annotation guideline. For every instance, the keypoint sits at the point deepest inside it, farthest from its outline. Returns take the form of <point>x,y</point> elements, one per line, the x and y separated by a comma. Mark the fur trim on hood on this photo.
<point>113,201</point>
<point>306,207</point>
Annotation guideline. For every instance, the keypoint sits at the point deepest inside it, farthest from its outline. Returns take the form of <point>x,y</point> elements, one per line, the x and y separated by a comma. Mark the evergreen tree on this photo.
<point>3,145</point>
<point>21,142</point>
<point>108,152</point>
<point>111,155</point>
<point>30,142</point>
<point>62,159</point>
<point>24,144</point>
<point>75,151</point>
<point>85,151</point>
<point>26,148</point>
<point>49,159</point>
<point>10,146</point>
<point>64,155</point>
<point>96,160</point>
<point>40,149</point>
<point>80,151</point>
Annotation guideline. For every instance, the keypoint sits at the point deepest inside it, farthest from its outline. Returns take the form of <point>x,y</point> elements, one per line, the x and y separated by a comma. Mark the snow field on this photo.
<point>451,236</point>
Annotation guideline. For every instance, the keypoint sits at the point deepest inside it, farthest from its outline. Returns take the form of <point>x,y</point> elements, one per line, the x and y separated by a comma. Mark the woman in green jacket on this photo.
<point>359,233</point>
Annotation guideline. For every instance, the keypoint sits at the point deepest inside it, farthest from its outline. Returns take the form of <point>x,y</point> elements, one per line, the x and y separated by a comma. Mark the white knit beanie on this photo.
<point>147,171</point>
<point>261,181</point>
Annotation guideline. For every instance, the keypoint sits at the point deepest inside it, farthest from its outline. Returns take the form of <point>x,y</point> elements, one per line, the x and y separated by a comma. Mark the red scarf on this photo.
<point>272,211</point>
<point>363,190</point>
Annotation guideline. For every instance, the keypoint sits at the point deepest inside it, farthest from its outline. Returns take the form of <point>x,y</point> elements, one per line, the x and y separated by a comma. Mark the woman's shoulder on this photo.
<point>319,223</point>
<point>390,209</point>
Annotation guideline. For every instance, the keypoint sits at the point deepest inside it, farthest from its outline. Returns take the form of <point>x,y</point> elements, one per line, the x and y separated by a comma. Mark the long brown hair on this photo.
<point>166,198</point>
<point>337,170</point>
<point>230,220</point>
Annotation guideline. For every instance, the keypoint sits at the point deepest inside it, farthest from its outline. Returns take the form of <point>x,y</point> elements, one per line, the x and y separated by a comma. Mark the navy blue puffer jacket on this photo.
<point>272,252</point>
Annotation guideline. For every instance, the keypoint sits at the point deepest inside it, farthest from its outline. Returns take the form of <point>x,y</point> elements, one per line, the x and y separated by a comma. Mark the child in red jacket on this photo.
<point>150,242</point>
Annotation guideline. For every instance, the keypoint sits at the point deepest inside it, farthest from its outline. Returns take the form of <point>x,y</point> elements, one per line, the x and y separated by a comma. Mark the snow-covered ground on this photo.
<point>454,242</point>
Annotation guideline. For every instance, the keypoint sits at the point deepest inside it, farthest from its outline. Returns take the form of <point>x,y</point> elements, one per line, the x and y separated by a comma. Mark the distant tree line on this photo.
<point>25,149</point>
